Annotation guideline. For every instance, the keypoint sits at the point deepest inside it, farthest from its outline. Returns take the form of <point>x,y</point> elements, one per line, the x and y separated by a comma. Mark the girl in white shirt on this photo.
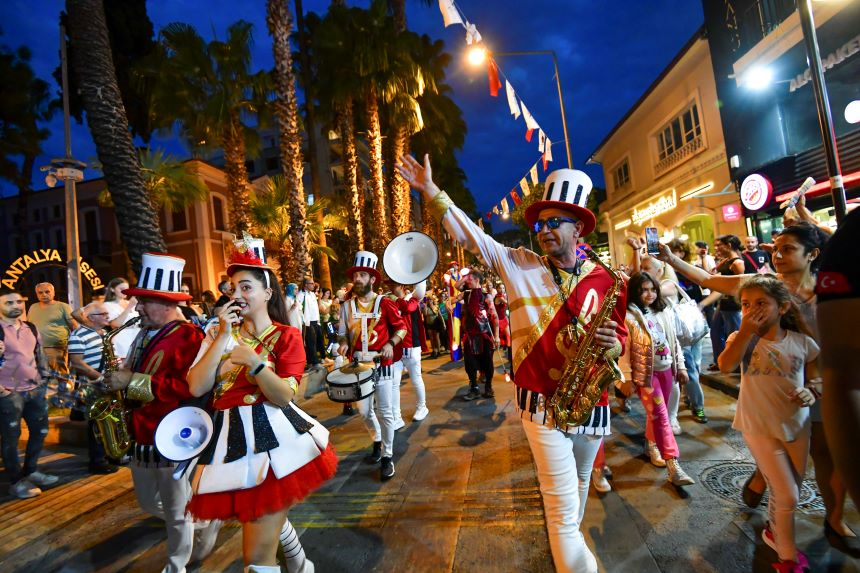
<point>778,384</point>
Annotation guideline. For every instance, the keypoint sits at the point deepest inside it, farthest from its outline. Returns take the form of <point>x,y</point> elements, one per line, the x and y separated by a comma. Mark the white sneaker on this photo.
<point>42,480</point>
<point>676,427</point>
<point>24,489</point>
<point>677,476</point>
<point>420,414</point>
<point>599,480</point>
<point>399,423</point>
<point>654,453</point>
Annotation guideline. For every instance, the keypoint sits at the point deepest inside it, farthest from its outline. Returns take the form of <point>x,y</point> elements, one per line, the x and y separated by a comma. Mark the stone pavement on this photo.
<point>465,499</point>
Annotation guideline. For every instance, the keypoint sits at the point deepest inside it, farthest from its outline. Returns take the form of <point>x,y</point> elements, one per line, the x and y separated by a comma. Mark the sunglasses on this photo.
<point>553,223</point>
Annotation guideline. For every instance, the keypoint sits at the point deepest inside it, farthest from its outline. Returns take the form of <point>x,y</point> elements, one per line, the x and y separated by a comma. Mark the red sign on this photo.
<point>731,213</point>
<point>756,191</point>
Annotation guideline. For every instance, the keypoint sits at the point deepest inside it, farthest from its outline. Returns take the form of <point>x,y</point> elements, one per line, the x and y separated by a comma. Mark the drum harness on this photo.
<point>364,317</point>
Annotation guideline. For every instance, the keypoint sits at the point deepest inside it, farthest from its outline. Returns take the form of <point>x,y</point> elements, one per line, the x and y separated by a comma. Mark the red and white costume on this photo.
<point>413,344</point>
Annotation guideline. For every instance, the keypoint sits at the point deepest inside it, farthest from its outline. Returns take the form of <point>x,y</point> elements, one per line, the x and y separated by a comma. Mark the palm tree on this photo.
<point>25,101</point>
<point>271,214</point>
<point>209,92</point>
<point>93,67</point>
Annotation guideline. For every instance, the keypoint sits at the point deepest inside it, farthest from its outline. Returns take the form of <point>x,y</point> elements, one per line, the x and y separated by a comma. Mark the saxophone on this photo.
<point>108,411</point>
<point>589,371</point>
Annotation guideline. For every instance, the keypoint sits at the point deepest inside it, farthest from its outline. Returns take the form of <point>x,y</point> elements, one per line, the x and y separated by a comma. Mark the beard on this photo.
<point>361,289</point>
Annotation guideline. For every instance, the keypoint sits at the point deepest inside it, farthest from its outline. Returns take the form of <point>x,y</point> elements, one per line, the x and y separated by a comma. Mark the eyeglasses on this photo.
<point>553,223</point>
<point>99,314</point>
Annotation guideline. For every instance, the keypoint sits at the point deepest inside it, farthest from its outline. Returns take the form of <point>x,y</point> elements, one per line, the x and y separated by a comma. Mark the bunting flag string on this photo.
<point>515,198</point>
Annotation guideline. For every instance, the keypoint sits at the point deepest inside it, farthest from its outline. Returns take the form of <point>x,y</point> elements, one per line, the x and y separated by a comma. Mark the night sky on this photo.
<point>609,53</point>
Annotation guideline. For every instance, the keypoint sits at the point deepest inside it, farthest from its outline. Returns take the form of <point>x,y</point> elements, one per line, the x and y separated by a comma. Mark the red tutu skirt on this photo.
<point>270,496</point>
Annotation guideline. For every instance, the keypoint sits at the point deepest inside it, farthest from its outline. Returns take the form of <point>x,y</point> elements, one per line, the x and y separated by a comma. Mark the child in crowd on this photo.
<point>656,359</point>
<point>778,384</point>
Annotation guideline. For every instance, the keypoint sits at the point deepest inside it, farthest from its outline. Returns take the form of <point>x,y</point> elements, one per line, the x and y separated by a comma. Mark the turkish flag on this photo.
<point>515,197</point>
<point>493,74</point>
<point>830,282</point>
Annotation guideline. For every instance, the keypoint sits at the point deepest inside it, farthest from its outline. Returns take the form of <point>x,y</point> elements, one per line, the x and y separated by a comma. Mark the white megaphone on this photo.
<point>183,434</point>
<point>410,258</point>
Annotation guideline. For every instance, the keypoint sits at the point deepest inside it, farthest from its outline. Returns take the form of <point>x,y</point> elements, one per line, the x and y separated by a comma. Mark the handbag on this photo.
<point>690,323</point>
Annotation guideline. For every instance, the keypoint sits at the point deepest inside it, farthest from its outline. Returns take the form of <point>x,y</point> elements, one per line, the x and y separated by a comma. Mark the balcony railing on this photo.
<point>679,156</point>
<point>760,19</point>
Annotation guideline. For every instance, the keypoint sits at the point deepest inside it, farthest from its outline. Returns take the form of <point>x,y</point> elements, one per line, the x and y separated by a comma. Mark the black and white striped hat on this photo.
<point>566,189</point>
<point>367,262</point>
<point>160,277</point>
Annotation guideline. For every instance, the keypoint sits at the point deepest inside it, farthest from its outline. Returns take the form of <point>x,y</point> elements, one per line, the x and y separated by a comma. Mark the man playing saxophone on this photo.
<point>154,375</point>
<point>546,296</point>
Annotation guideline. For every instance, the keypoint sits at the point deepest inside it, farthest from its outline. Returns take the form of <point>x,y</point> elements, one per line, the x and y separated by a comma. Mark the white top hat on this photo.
<point>160,277</point>
<point>566,189</point>
<point>367,262</point>
<point>249,252</point>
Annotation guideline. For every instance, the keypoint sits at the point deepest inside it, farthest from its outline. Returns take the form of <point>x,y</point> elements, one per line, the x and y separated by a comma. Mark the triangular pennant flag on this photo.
<point>541,140</point>
<point>531,124</point>
<point>493,74</point>
<point>496,210</point>
<point>534,174</point>
<point>547,155</point>
<point>505,209</point>
<point>512,100</point>
<point>489,215</point>
<point>481,223</point>
<point>524,185</point>
<point>450,15</point>
<point>515,197</point>
<point>472,34</point>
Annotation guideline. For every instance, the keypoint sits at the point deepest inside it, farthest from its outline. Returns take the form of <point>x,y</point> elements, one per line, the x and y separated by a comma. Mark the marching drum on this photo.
<point>351,383</point>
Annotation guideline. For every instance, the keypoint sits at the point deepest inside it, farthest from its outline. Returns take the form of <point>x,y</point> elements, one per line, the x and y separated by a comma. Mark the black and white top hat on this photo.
<point>367,262</point>
<point>160,277</point>
<point>566,189</point>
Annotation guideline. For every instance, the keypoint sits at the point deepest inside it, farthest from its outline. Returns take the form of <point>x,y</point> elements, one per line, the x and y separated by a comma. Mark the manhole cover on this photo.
<point>726,480</point>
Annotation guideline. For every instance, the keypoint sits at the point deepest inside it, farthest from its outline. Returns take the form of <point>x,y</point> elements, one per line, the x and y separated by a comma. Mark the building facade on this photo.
<point>665,162</point>
<point>35,249</point>
<point>773,137</point>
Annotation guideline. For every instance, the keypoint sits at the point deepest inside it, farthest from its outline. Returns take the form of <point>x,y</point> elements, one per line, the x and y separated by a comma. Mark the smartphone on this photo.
<point>652,240</point>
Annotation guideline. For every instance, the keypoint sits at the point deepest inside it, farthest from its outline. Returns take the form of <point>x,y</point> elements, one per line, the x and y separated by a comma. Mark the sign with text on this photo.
<point>660,205</point>
<point>756,191</point>
<point>731,212</point>
<point>40,256</point>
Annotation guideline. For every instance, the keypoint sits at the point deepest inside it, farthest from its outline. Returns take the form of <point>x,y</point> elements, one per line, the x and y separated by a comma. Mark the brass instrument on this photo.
<point>589,371</point>
<point>108,411</point>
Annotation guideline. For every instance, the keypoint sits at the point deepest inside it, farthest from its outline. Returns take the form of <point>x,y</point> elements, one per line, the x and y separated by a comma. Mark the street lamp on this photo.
<point>831,152</point>
<point>478,54</point>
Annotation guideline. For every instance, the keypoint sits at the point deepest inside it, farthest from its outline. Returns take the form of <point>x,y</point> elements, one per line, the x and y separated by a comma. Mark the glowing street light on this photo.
<point>758,78</point>
<point>477,55</point>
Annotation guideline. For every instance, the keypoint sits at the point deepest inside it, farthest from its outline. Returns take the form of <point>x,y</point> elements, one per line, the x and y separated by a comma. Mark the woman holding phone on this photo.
<point>266,454</point>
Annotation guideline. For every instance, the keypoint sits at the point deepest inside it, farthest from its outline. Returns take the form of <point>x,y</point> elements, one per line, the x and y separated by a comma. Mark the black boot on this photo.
<point>473,393</point>
<point>376,455</point>
<point>488,391</point>
<point>348,410</point>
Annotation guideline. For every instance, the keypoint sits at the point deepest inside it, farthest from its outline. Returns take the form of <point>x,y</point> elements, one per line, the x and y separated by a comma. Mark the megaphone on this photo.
<point>183,434</point>
<point>410,258</point>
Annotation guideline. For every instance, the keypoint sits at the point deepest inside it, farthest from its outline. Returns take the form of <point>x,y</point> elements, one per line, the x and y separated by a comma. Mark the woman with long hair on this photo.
<point>795,257</point>
<point>121,309</point>
<point>266,454</point>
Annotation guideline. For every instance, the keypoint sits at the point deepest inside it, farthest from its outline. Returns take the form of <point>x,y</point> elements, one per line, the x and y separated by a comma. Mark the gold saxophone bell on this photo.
<point>108,411</point>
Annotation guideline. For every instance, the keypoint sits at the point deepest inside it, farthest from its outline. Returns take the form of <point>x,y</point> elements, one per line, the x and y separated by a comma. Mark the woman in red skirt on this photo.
<point>265,454</point>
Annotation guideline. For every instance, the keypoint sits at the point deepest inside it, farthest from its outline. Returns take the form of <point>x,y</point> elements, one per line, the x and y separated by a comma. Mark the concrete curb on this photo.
<point>725,383</point>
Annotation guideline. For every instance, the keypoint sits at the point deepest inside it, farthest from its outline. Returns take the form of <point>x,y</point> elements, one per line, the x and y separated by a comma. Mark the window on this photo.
<point>218,208</point>
<point>679,139</point>
<point>272,164</point>
<point>91,227</point>
<point>38,241</point>
<point>179,221</point>
<point>683,129</point>
<point>57,212</point>
<point>60,239</point>
<point>621,175</point>
<point>249,166</point>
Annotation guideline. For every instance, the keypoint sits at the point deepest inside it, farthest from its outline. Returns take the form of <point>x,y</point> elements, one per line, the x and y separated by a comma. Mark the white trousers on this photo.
<point>564,463</point>
<point>379,407</point>
<point>411,362</point>
<point>160,495</point>
<point>674,401</point>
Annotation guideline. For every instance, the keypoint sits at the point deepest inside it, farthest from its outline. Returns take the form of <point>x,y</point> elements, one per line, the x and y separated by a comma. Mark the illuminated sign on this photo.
<point>22,264</point>
<point>755,192</point>
<point>731,212</point>
<point>623,224</point>
<point>659,206</point>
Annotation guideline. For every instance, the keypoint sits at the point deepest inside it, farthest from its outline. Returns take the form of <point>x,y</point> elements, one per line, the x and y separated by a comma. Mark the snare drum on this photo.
<point>350,386</point>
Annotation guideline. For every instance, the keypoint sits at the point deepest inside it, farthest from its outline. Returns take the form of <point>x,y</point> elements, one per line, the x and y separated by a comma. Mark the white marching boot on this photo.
<point>294,553</point>
<point>263,568</point>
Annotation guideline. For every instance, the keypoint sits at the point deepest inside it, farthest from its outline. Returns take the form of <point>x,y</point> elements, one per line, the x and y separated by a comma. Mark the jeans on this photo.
<point>313,342</point>
<point>33,408</point>
<point>693,389</point>
<point>479,363</point>
<point>657,426</point>
<point>725,323</point>
<point>564,463</point>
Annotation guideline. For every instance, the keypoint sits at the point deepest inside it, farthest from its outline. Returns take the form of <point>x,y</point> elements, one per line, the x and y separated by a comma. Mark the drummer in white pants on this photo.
<point>414,344</point>
<point>371,327</point>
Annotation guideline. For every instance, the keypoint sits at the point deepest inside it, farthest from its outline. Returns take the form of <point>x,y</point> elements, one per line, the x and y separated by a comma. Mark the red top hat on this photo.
<point>160,277</point>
